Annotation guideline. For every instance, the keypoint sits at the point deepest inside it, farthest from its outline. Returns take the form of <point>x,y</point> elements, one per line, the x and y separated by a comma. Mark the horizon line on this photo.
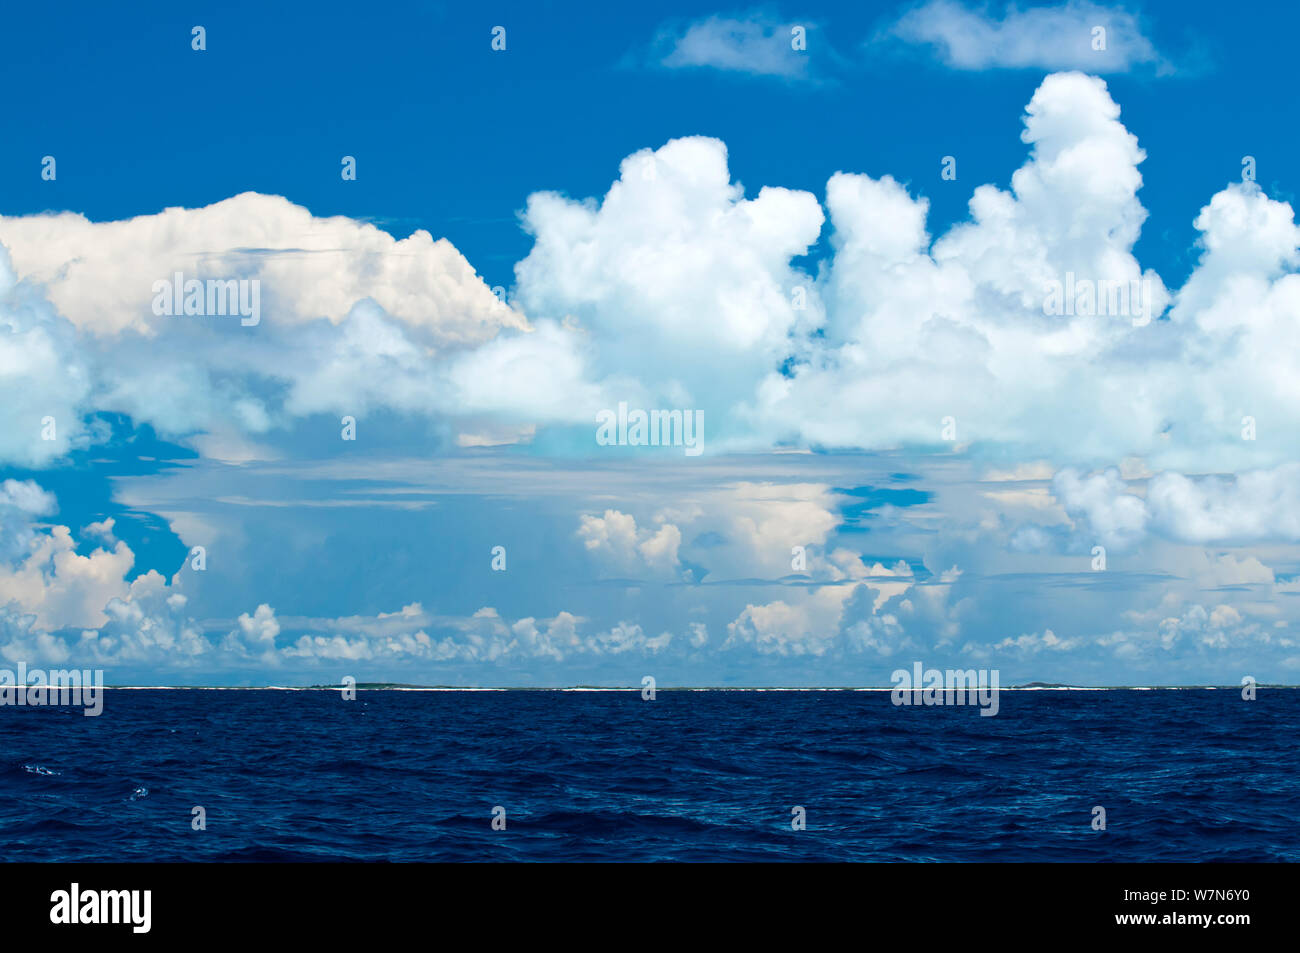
<point>403,687</point>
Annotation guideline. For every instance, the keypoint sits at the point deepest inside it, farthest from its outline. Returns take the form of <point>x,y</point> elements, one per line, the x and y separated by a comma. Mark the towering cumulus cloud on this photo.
<point>1029,398</point>
<point>1032,325</point>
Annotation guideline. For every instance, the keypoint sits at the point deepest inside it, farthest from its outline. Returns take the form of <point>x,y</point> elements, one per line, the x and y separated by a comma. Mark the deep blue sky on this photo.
<point>452,137</point>
<point>371,557</point>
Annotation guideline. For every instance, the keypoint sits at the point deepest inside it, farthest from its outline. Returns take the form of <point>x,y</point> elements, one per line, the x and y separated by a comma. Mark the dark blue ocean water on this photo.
<point>405,776</point>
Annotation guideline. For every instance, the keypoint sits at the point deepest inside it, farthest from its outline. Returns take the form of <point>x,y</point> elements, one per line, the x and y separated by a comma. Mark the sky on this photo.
<point>983,319</point>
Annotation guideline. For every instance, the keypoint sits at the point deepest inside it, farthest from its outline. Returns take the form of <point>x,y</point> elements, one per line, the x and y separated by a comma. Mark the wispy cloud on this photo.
<point>1075,35</point>
<point>756,43</point>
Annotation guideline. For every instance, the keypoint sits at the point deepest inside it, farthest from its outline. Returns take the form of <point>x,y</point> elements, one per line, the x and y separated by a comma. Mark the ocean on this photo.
<point>1183,775</point>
